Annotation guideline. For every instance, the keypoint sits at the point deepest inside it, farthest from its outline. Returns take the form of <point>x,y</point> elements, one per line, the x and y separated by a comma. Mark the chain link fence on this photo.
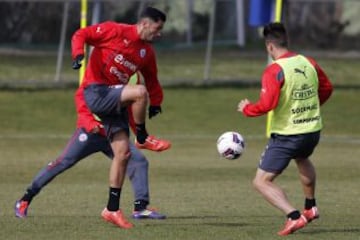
<point>31,31</point>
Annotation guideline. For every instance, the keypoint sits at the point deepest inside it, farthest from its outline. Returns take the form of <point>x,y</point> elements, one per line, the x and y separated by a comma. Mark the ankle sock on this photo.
<point>114,199</point>
<point>309,203</point>
<point>141,133</point>
<point>140,205</point>
<point>28,196</point>
<point>294,215</point>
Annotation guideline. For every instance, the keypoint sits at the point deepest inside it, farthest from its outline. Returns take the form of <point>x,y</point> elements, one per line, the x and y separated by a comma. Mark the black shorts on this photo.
<point>104,101</point>
<point>281,149</point>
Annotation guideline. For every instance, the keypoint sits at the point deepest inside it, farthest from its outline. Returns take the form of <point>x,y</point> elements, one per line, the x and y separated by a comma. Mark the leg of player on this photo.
<point>137,170</point>
<point>120,147</point>
<point>308,180</point>
<point>137,96</point>
<point>263,183</point>
<point>80,145</point>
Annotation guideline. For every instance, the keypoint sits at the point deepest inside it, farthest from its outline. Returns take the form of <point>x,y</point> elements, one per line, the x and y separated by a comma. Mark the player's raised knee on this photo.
<point>141,91</point>
<point>133,93</point>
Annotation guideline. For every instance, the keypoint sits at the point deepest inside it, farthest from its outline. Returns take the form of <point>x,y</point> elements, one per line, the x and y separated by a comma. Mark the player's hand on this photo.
<point>242,105</point>
<point>77,61</point>
<point>154,110</point>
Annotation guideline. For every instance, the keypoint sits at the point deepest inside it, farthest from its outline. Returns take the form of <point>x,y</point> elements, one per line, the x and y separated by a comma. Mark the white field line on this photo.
<point>353,139</point>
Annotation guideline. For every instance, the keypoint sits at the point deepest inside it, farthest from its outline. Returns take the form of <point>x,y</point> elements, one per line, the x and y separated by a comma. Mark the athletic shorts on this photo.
<point>104,101</point>
<point>281,149</point>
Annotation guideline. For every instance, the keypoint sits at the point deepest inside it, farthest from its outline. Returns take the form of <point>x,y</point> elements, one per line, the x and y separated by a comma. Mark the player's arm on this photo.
<point>152,84</point>
<point>325,86</point>
<point>271,82</point>
<point>96,35</point>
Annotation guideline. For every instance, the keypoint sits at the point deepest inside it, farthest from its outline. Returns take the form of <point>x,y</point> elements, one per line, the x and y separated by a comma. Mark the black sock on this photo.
<point>140,205</point>
<point>309,203</point>
<point>114,199</point>
<point>294,215</point>
<point>28,196</point>
<point>141,133</point>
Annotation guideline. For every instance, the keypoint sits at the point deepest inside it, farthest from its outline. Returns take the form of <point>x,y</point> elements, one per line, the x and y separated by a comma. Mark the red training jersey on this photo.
<point>117,54</point>
<point>271,83</point>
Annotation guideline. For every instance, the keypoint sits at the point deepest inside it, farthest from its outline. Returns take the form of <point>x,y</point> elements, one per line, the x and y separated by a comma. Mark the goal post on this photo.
<point>277,18</point>
<point>83,24</point>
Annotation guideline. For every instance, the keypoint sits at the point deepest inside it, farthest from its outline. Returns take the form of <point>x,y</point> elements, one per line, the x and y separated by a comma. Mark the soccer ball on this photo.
<point>230,145</point>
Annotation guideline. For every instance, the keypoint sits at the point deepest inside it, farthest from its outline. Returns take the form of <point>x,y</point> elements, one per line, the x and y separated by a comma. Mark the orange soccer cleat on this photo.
<point>293,225</point>
<point>154,144</point>
<point>311,214</point>
<point>116,218</point>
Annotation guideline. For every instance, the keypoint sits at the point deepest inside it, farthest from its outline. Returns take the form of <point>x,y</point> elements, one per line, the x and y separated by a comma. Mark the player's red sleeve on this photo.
<point>96,35</point>
<point>151,81</point>
<point>271,82</point>
<point>325,86</point>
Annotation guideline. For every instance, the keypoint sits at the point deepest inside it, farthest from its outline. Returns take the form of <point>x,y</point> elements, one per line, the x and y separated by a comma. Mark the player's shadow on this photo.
<point>215,224</point>
<point>226,224</point>
<point>193,217</point>
<point>331,230</point>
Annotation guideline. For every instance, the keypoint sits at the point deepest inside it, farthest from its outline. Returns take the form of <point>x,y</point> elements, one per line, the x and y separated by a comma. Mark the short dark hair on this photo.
<point>276,33</point>
<point>154,14</point>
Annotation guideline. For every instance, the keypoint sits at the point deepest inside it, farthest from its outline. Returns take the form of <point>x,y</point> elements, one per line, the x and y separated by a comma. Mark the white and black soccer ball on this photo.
<point>230,145</point>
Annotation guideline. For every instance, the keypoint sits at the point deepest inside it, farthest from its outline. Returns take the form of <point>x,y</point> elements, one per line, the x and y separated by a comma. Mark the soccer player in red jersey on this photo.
<point>89,138</point>
<point>119,51</point>
<point>294,87</point>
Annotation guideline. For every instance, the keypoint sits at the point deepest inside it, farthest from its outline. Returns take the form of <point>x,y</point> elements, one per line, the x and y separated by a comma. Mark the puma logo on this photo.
<point>297,70</point>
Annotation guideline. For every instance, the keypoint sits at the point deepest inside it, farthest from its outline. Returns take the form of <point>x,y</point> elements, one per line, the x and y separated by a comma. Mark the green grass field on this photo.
<point>204,196</point>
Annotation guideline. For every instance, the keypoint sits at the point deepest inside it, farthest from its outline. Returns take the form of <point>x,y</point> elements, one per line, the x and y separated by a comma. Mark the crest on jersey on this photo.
<point>83,137</point>
<point>142,52</point>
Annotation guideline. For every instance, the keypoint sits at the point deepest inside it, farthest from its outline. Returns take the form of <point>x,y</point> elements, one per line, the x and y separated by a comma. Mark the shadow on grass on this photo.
<point>332,230</point>
<point>226,224</point>
<point>218,217</point>
<point>193,217</point>
<point>214,224</point>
